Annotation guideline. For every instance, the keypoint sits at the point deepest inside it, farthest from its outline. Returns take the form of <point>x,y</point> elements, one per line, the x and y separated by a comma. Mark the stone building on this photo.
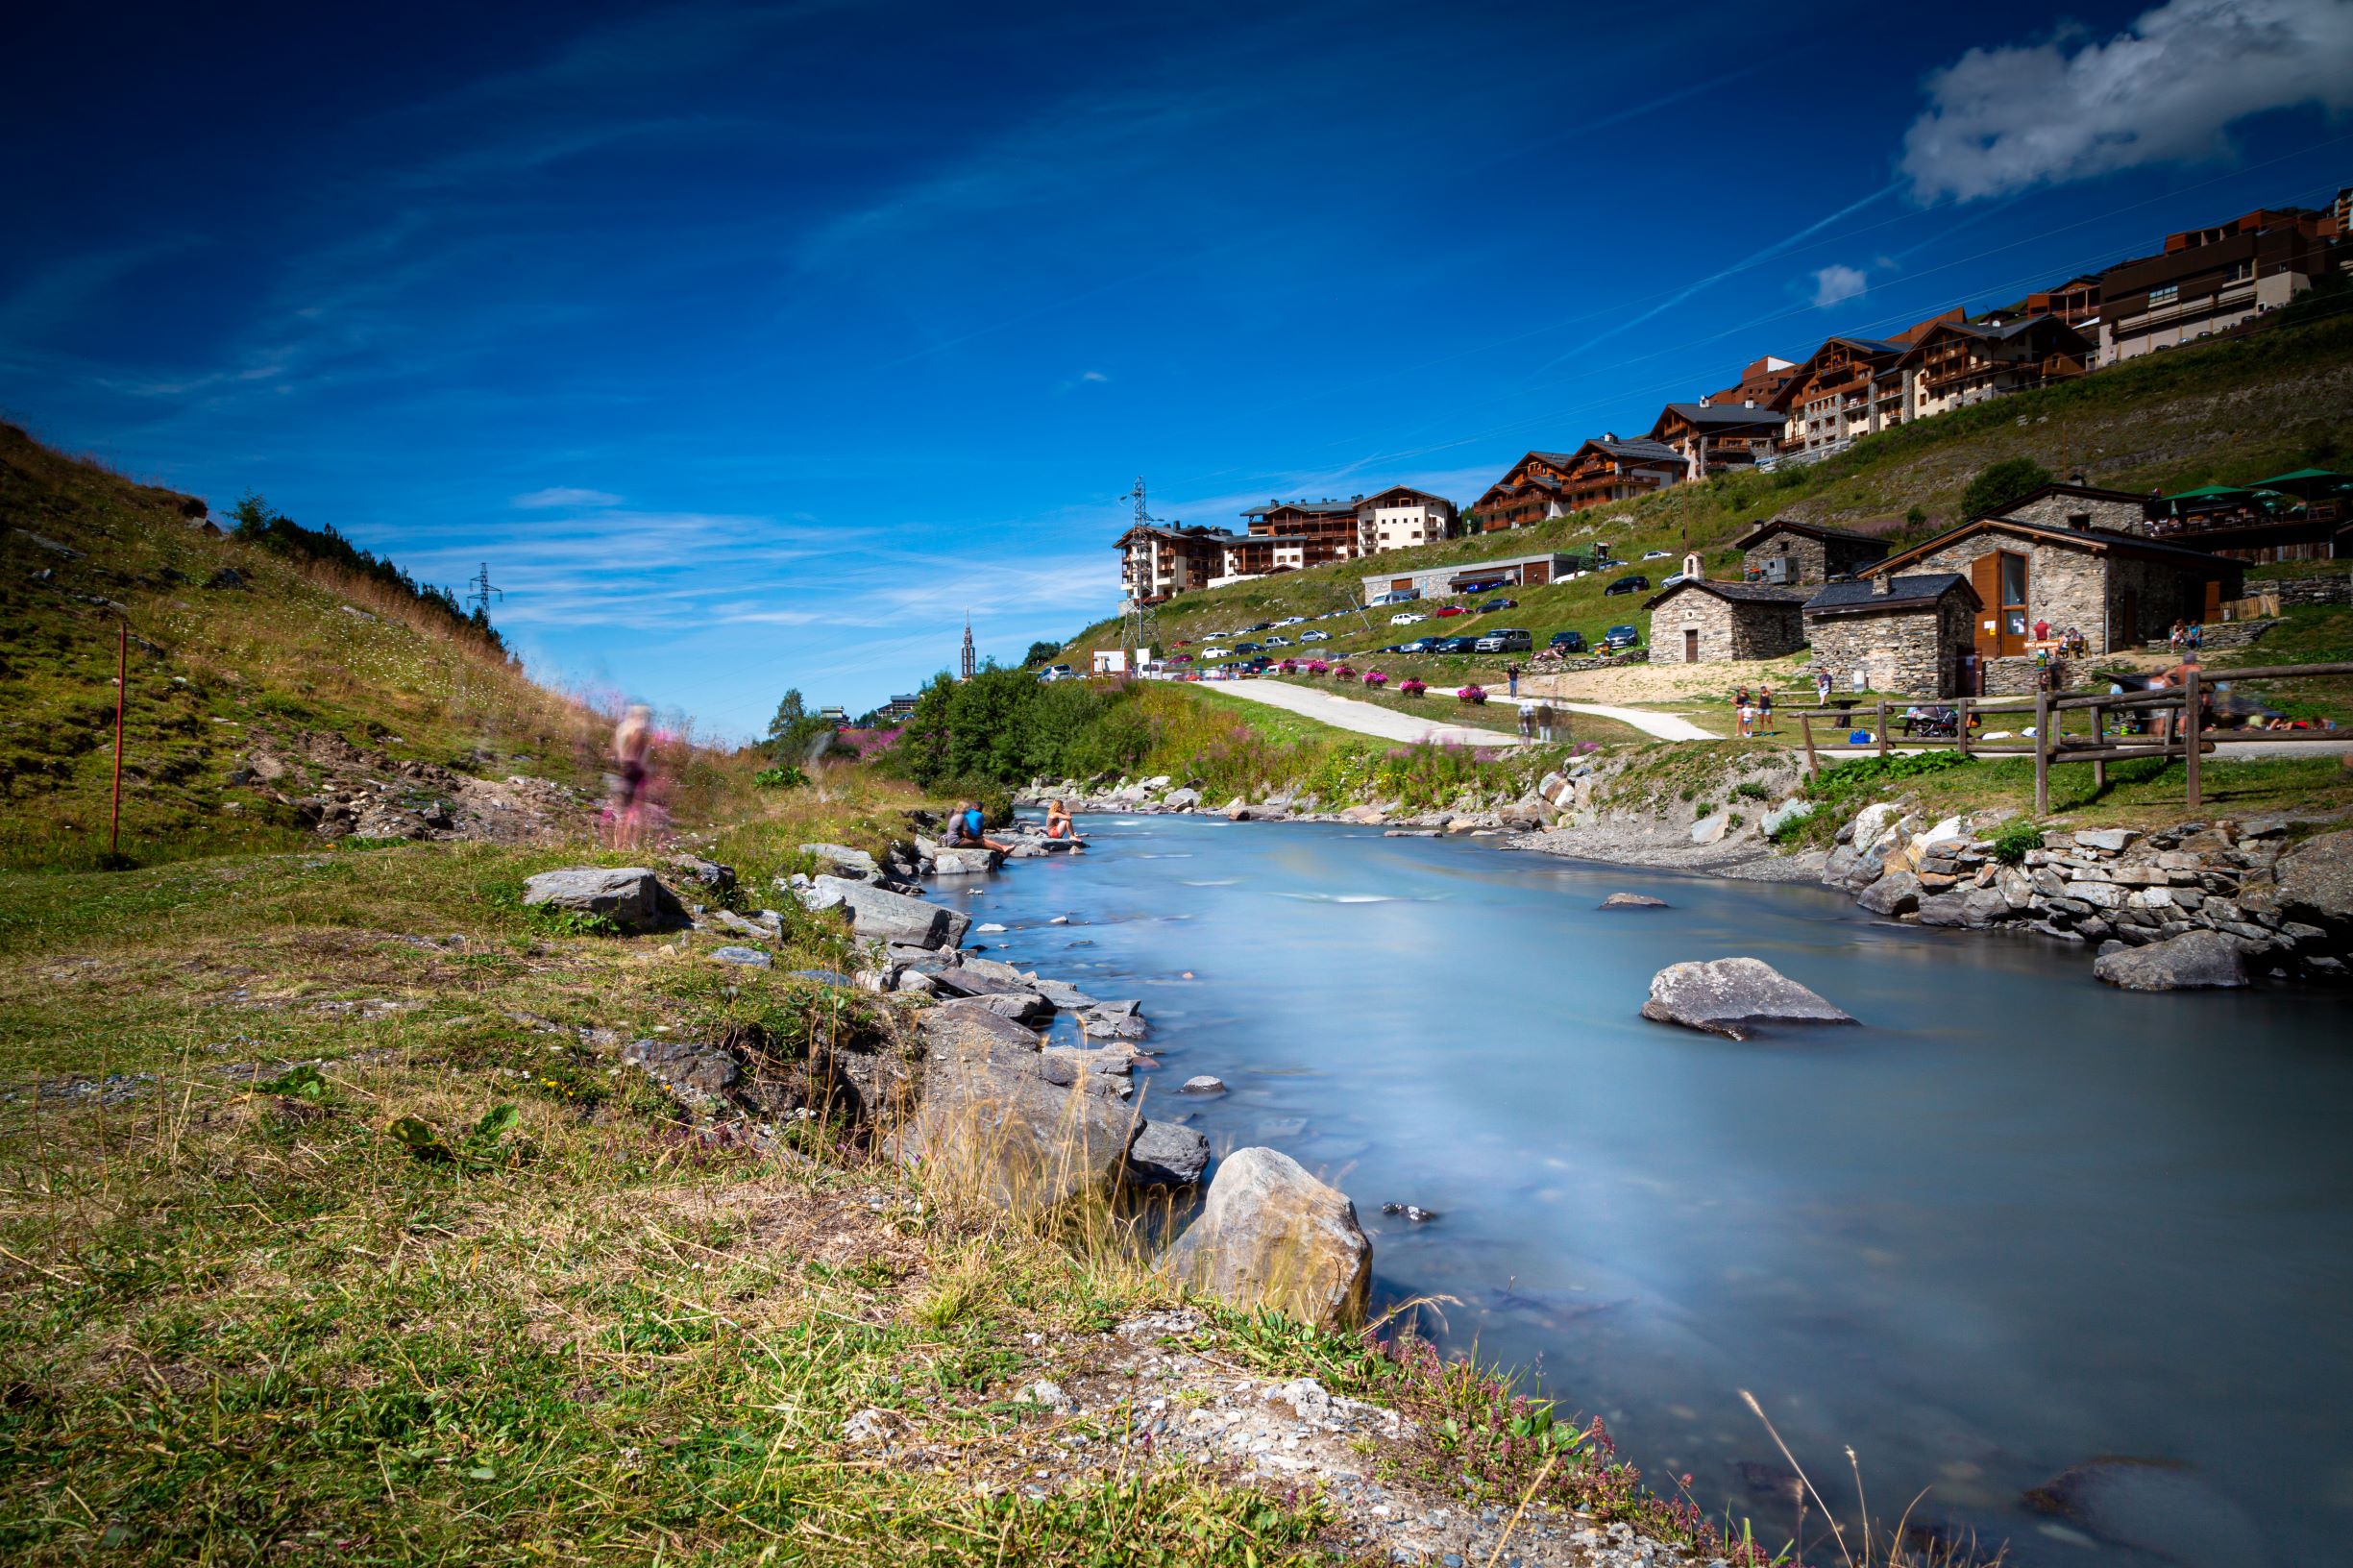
<point>2118,590</point>
<point>1697,622</point>
<point>1787,551</point>
<point>2080,506</point>
<point>1895,634</point>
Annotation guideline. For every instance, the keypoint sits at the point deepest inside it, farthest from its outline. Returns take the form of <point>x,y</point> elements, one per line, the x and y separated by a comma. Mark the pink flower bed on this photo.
<point>1413,687</point>
<point>1376,679</point>
<point>1343,671</point>
<point>1475,696</point>
<point>1289,667</point>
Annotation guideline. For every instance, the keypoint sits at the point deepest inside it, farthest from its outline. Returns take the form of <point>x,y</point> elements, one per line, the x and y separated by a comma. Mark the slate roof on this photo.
<point>2095,539</point>
<point>1736,593</point>
<point>1812,530</point>
<point>1903,594</point>
<point>1640,451</point>
<point>1717,413</point>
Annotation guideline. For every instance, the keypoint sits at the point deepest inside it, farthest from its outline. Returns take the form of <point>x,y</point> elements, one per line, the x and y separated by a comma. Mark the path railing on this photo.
<point>2179,727</point>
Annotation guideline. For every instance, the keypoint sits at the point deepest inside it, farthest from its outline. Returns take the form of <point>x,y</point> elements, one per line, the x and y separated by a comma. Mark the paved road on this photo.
<point>1365,718</point>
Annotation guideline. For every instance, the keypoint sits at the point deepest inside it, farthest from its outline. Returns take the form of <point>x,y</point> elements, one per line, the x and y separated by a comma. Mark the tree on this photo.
<point>788,713</point>
<point>252,515</point>
<point>2001,483</point>
<point>1039,653</point>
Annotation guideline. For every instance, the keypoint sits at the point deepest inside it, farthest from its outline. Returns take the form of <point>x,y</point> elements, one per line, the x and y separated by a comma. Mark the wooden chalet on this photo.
<point>1957,363</point>
<point>1760,382</point>
<point>1850,387</point>
<point>1714,437</point>
<point>1529,490</point>
<point>1554,483</point>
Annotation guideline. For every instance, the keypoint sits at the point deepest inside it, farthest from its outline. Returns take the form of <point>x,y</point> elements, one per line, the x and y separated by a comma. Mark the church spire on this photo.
<point>969,664</point>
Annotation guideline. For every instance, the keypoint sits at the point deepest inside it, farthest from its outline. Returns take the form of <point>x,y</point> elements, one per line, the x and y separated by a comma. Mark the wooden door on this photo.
<point>1691,644</point>
<point>1985,576</point>
<point>2213,600</point>
<point>1536,573</point>
<point>1400,584</point>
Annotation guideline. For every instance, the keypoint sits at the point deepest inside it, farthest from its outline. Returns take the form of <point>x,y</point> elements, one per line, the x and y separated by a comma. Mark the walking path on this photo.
<point>1365,718</point>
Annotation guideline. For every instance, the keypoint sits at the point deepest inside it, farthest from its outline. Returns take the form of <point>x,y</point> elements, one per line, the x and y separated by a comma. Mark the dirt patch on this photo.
<point>338,789</point>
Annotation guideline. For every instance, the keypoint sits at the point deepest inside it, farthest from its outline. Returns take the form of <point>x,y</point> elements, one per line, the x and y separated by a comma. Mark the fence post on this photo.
<point>1961,729</point>
<point>2189,733</point>
<point>122,693</point>
<point>1805,727</point>
<point>2099,734</point>
<point>1879,724</point>
<point>2042,753</point>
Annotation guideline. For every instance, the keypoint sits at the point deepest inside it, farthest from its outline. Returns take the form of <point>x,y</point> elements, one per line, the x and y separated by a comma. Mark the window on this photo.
<point>2166,295</point>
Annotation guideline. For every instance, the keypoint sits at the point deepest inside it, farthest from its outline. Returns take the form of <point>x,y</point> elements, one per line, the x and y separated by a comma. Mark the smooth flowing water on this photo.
<point>2015,1222</point>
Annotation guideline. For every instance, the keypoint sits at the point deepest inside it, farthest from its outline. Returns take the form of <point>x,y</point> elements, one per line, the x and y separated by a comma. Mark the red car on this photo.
<point>1180,658</point>
<point>1445,611</point>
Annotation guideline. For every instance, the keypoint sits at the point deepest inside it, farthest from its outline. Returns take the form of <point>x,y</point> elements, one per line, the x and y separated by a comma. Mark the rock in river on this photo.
<point>2195,959</point>
<point>1729,995</point>
<point>628,895</point>
<point>1633,900</point>
<point>1270,1234</point>
<point>994,1121</point>
<point>1166,1155</point>
<point>891,916</point>
<point>2157,1505</point>
<point>1202,1085</point>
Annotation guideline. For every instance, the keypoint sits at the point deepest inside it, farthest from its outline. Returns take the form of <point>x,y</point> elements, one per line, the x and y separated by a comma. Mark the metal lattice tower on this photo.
<point>969,664</point>
<point>482,591</point>
<point>1136,619</point>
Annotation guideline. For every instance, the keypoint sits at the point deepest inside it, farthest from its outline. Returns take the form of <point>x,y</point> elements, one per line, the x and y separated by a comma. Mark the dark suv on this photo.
<point>1617,637</point>
<point>1636,584</point>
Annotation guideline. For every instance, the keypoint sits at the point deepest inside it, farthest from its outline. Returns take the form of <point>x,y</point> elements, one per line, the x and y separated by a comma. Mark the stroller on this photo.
<point>1935,723</point>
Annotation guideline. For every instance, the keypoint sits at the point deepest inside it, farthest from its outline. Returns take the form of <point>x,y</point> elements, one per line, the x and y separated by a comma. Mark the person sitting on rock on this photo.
<point>963,830</point>
<point>1059,826</point>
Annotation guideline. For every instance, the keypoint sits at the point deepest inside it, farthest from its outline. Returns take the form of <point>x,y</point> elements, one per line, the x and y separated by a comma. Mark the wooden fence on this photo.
<point>2179,729</point>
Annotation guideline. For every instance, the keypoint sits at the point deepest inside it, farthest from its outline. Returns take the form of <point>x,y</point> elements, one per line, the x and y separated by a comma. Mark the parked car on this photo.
<point>1263,626</point>
<point>1454,645</point>
<point>1217,652</point>
<point>1315,636</point>
<point>1654,555</point>
<point>1569,642</point>
<point>1506,640</point>
<point>1277,642</point>
<point>1636,584</point>
<point>1057,671</point>
<point>1621,637</point>
<point>1249,648</point>
<point>1494,604</point>
<point>1395,595</point>
<point>1293,621</point>
<point>1665,583</point>
<point>1408,618</point>
<point>1445,611</point>
<point>1181,658</point>
<point>1419,644</point>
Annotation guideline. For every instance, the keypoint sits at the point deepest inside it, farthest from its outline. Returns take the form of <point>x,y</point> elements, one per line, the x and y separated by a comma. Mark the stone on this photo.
<point>841,860</point>
<point>2110,839</point>
<point>1950,908</point>
<point>1362,815</point>
<point>708,874</point>
<point>1181,799</point>
<point>964,862</point>
<point>629,896</point>
<point>684,1066</point>
<point>880,915</point>
<point>2312,884</point>
<point>750,958</point>
<point>1896,893</point>
<point>2195,959</point>
<point>1633,900</point>
<point>1710,828</point>
<point>1729,995</point>
<point>1982,907</point>
<point>993,1121</point>
<point>2157,1505</point>
<point>1237,810</point>
<point>1203,1084</point>
<point>1874,822</point>
<point>1022,1006</point>
<point>1271,1235</point>
<point>1784,814</point>
<point>1168,1155</point>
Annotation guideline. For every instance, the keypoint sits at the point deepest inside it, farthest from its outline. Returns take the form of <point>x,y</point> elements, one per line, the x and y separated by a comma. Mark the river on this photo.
<point>2015,1222</point>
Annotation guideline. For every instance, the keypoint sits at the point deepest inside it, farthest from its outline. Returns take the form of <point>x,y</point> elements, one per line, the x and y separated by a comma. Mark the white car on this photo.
<point>1315,636</point>
<point>1406,618</point>
<point>1277,642</point>
<point>1655,554</point>
<point>1217,652</point>
<point>1293,621</point>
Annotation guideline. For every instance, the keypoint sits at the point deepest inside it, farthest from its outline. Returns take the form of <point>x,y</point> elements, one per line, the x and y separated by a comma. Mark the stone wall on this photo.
<point>2307,590</point>
<point>1815,560</point>
<point>2284,906</point>
<point>1910,648</point>
<point>1728,630</point>
<point>2061,511</point>
<point>2065,585</point>
<point>2160,595</point>
<point>2022,677</point>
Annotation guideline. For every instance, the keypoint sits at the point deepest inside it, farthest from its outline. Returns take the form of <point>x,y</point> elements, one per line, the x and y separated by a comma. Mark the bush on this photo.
<point>1475,696</point>
<point>2001,483</point>
<point>2017,836</point>
<point>1411,686</point>
<point>782,776</point>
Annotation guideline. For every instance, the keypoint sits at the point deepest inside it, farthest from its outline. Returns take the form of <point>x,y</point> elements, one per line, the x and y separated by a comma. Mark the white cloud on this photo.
<point>1094,376</point>
<point>2166,89</point>
<point>1836,282</point>
<point>564,494</point>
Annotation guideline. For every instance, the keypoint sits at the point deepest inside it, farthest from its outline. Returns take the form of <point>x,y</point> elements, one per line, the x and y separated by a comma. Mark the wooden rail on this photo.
<point>2181,730</point>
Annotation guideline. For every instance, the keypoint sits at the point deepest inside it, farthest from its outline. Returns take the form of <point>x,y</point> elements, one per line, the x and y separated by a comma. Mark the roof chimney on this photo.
<point>1882,583</point>
<point>1609,435</point>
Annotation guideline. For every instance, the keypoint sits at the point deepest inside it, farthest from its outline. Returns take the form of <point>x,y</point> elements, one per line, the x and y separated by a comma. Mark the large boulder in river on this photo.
<point>2312,883</point>
<point>878,913</point>
<point>1731,995</point>
<point>1002,1123</point>
<point>1168,1155</point>
<point>630,897</point>
<point>1270,1234</point>
<point>2157,1505</point>
<point>2194,961</point>
<point>1894,894</point>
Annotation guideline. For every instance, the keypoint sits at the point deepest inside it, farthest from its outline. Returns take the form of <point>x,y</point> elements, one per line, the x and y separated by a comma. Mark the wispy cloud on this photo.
<point>564,494</point>
<point>1836,282</point>
<point>2166,89</point>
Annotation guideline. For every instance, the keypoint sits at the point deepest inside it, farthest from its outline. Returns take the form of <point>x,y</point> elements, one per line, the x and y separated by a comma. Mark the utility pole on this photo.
<point>1135,620</point>
<point>482,591</point>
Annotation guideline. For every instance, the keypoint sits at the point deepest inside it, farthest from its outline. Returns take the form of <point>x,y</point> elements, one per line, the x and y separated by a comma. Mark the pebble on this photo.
<point>988,929</point>
<point>1414,1212</point>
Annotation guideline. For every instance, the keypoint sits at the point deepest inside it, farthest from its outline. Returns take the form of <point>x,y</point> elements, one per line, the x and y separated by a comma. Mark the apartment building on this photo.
<point>1402,516</point>
<point>2210,280</point>
<point>1760,381</point>
<point>1713,437</point>
<point>1158,562</point>
<point>1957,363</point>
<point>1555,484</point>
<point>1851,388</point>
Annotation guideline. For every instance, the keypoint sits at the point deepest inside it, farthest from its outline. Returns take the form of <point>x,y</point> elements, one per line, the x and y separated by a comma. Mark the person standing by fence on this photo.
<point>1764,710</point>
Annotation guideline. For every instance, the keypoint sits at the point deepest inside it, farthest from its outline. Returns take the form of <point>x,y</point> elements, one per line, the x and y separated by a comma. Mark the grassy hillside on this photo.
<point>2222,413</point>
<point>252,675</point>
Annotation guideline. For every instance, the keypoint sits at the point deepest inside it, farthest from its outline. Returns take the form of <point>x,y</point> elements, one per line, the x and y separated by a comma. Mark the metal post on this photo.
<point>122,690</point>
<point>2042,753</point>
<point>1805,727</point>
<point>1880,726</point>
<point>2189,733</point>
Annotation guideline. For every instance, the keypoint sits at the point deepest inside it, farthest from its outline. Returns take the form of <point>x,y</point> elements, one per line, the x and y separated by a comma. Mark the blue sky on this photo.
<point>755,346</point>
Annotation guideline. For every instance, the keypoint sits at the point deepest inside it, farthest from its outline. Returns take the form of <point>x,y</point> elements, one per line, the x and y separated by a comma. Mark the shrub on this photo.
<point>1475,696</point>
<point>2017,836</point>
<point>1317,667</point>
<point>1376,679</point>
<point>1413,686</point>
<point>1343,671</point>
<point>782,776</point>
<point>2001,483</point>
<point>1289,667</point>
